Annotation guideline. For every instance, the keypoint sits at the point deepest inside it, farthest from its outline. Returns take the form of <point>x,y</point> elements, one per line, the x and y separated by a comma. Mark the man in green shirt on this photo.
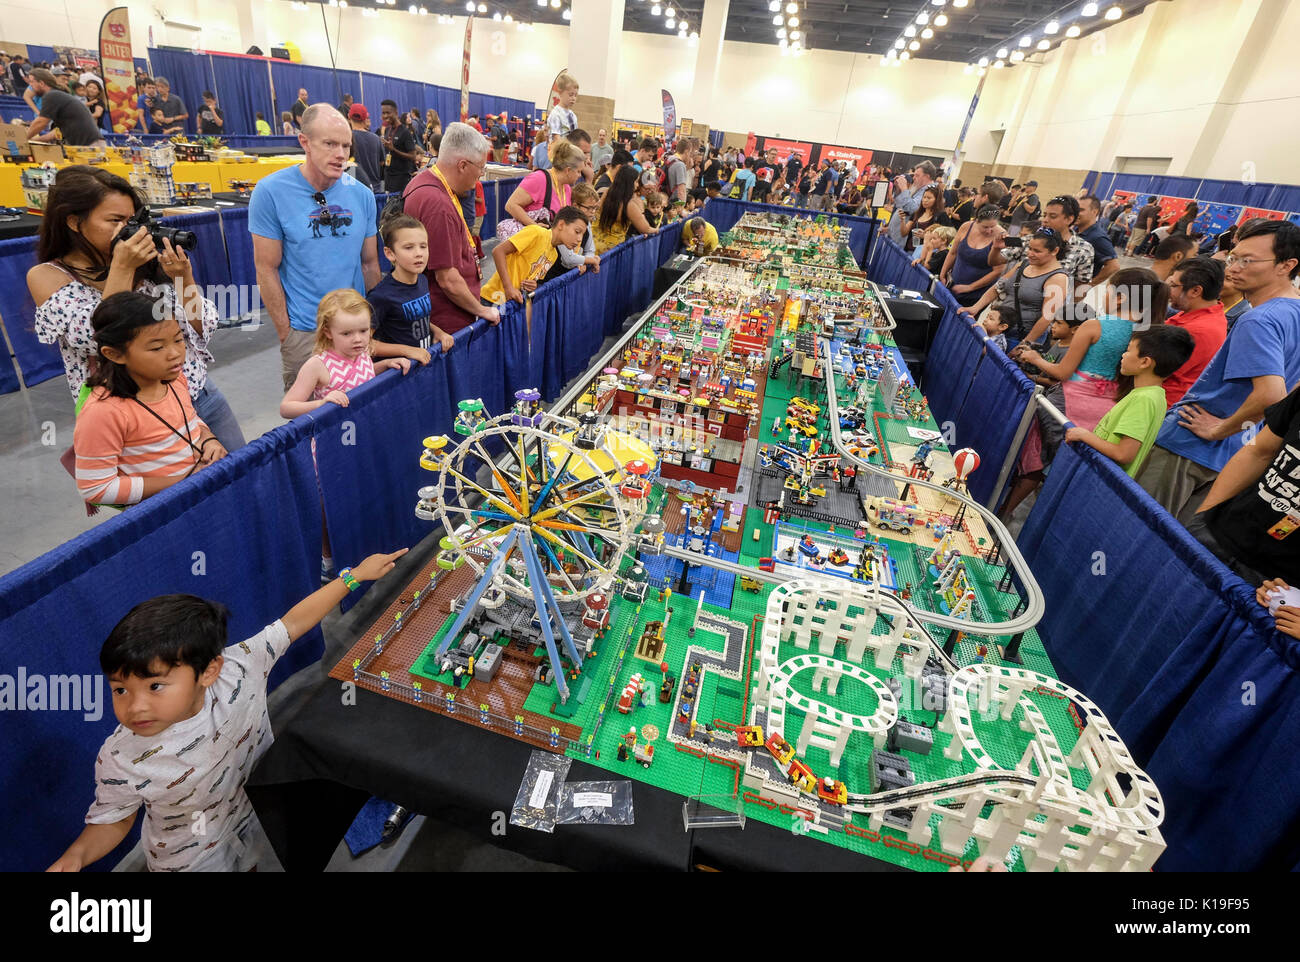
<point>1127,431</point>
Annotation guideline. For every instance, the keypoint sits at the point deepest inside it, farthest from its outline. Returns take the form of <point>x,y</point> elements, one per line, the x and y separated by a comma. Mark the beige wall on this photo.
<point>1214,85</point>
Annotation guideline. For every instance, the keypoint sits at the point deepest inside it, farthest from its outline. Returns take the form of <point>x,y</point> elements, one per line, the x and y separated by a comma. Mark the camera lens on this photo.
<point>185,239</point>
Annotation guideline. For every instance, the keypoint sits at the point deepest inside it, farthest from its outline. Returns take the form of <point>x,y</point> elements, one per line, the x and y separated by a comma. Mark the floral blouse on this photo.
<point>64,319</point>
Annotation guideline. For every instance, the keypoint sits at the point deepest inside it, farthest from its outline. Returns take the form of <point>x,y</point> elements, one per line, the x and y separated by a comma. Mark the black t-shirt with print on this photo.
<point>401,311</point>
<point>208,117</point>
<point>1260,527</point>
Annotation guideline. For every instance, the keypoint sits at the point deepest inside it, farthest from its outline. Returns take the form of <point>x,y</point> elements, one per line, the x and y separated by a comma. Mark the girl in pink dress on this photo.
<point>342,361</point>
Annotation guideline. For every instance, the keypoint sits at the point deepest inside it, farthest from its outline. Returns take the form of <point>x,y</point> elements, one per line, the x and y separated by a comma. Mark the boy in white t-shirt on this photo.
<point>562,119</point>
<point>193,724</point>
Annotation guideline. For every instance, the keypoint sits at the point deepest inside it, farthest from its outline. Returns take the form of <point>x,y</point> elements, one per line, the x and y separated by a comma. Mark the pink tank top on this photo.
<point>344,374</point>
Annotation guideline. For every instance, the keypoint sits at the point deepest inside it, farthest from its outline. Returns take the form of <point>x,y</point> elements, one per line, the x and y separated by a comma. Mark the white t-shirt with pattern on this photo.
<point>64,319</point>
<point>190,777</point>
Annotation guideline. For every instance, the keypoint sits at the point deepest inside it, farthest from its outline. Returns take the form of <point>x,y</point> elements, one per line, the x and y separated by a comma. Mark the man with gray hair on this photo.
<point>313,230</point>
<point>433,197</point>
<point>173,109</point>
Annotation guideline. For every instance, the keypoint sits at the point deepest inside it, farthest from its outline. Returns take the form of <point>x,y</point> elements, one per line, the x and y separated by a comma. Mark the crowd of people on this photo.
<point>1183,367</point>
<point>135,344</point>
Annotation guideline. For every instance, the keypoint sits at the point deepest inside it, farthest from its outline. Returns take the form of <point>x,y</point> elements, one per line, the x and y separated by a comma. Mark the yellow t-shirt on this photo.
<point>710,237</point>
<point>534,254</point>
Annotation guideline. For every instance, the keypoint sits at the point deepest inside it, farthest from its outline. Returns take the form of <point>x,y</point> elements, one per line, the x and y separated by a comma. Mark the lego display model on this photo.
<point>826,634</point>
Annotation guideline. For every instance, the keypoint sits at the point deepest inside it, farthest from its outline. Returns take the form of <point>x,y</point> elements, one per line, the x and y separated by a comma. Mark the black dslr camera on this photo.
<point>158,232</point>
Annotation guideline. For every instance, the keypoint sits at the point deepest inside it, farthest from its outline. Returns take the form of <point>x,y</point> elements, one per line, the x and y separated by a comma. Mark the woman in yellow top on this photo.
<point>622,213</point>
<point>529,199</point>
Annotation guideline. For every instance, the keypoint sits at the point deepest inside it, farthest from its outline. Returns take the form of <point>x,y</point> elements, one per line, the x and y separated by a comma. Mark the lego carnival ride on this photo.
<point>825,633</point>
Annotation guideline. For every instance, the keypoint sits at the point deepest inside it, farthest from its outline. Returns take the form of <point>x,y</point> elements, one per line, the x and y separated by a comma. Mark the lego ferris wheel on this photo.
<point>535,503</point>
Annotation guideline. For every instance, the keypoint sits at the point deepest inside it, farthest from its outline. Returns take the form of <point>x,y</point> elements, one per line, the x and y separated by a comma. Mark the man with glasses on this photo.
<point>1258,363</point>
<point>434,197</point>
<point>313,229</point>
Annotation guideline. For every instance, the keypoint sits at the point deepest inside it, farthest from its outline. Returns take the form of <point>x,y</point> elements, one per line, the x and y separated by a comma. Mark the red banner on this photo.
<point>464,71</point>
<point>119,69</point>
<point>1172,208</point>
<point>783,148</point>
<point>1250,212</point>
<point>858,158</point>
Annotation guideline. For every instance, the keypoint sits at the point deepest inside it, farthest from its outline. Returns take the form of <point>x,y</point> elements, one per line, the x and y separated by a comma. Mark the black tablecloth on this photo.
<point>25,225</point>
<point>331,757</point>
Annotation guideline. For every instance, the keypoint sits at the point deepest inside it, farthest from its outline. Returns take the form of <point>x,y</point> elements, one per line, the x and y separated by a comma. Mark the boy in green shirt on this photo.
<point>1126,432</point>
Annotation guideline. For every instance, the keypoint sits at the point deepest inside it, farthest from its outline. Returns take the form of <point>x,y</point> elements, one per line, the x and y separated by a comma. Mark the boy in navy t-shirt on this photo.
<point>400,301</point>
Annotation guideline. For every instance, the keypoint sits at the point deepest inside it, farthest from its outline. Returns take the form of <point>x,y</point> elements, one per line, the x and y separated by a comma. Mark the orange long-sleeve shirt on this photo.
<point>119,444</point>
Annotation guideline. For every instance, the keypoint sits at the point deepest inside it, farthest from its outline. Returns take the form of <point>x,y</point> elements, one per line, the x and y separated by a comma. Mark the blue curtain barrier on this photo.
<point>1280,197</point>
<point>244,90</point>
<point>38,362</point>
<point>1173,648</point>
<point>189,74</point>
<point>244,532</point>
<point>891,265</point>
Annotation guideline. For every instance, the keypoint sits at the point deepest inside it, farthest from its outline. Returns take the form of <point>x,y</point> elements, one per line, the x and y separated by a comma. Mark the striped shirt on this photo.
<point>119,444</point>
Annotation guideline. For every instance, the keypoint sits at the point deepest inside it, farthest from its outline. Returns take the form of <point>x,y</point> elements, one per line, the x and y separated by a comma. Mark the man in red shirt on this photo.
<point>1194,287</point>
<point>432,197</point>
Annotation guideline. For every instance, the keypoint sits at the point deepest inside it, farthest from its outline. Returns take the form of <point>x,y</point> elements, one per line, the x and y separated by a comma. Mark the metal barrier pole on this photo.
<point>1013,453</point>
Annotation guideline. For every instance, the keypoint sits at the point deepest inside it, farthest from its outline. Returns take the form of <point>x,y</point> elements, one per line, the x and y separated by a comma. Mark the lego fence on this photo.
<point>246,532</point>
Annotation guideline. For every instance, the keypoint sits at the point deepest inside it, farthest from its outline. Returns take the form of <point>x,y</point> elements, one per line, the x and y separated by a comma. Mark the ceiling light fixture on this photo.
<point>1026,40</point>
<point>1089,10</point>
<point>984,61</point>
<point>922,18</point>
<point>904,55</point>
<point>941,20</point>
<point>778,20</point>
<point>909,31</point>
<point>999,64</point>
<point>1073,30</point>
<point>1044,44</point>
<point>792,7</point>
<point>914,45</point>
<point>1052,27</point>
<point>1017,56</point>
<point>775,6</point>
<point>1114,13</point>
<point>927,33</point>
<point>1002,51</point>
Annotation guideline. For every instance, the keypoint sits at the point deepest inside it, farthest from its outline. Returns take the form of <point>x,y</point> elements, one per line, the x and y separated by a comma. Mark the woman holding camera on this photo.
<point>83,257</point>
